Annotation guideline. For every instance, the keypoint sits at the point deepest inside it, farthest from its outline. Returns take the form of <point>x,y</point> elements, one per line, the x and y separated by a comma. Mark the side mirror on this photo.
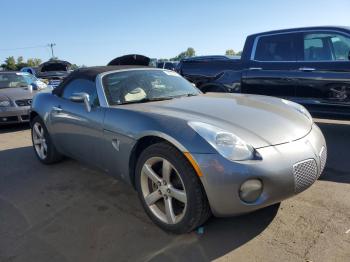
<point>81,98</point>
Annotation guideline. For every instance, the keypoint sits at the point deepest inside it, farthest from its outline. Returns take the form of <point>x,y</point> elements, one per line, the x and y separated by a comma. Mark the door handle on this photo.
<point>307,69</point>
<point>57,109</point>
<point>255,68</point>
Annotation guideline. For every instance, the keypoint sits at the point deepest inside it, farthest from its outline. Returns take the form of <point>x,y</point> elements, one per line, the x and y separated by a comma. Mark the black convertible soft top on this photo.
<point>90,73</point>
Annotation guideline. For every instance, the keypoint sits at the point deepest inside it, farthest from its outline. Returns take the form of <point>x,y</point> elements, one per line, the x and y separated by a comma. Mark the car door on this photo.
<point>272,68</point>
<point>324,69</point>
<point>77,132</point>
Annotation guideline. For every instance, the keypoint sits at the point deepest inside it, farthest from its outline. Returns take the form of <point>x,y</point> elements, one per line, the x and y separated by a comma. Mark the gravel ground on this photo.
<point>70,212</point>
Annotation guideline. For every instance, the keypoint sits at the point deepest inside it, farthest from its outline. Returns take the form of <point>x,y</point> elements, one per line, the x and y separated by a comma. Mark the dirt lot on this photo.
<point>69,212</point>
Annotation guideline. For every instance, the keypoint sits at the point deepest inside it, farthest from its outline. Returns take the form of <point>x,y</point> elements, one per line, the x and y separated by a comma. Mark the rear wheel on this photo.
<point>42,144</point>
<point>169,189</point>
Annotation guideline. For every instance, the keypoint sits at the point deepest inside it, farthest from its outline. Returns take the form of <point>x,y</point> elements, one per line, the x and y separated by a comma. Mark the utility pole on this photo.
<point>51,46</point>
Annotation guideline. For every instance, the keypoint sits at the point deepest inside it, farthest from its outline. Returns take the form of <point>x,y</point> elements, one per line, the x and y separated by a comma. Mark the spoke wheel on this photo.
<point>39,140</point>
<point>163,190</point>
<point>43,147</point>
<point>170,190</point>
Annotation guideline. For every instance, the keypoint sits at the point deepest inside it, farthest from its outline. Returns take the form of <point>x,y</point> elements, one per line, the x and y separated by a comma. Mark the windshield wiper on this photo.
<point>185,95</point>
<point>145,100</point>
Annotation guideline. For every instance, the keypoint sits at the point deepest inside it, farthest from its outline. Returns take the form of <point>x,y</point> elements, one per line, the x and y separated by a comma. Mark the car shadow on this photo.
<point>13,128</point>
<point>218,237</point>
<point>338,143</point>
<point>94,202</point>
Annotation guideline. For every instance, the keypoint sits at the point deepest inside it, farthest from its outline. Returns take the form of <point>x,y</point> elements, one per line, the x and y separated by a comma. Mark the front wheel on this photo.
<point>170,190</point>
<point>43,147</point>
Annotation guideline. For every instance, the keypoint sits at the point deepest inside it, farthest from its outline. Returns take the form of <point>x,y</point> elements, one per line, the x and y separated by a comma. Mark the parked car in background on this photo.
<point>54,72</point>
<point>30,70</point>
<point>308,65</point>
<point>170,65</point>
<point>188,154</point>
<point>131,59</point>
<point>16,93</point>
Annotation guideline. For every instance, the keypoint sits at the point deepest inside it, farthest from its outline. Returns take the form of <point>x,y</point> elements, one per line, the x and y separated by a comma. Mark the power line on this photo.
<point>21,48</point>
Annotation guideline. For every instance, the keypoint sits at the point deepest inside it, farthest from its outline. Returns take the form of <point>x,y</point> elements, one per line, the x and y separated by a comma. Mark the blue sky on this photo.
<point>93,32</point>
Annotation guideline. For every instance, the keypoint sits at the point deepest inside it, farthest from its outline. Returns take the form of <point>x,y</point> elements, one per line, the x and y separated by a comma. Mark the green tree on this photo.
<point>17,64</point>
<point>190,52</point>
<point>230,52</point>
<point>33,62</point>
<point>10,63</point>
<point>74,66</point>
<point>239,53</point>
<point>20,60</point>
<point>20,63</point>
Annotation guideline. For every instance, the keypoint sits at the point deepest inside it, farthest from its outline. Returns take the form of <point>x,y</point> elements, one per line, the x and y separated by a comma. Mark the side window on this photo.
<point>81,85</point>
<point>326,47</point>
<point>280,47</point>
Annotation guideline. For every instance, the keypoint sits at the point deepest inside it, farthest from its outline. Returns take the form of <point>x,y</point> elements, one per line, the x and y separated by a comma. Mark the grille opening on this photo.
<point>305,174</point>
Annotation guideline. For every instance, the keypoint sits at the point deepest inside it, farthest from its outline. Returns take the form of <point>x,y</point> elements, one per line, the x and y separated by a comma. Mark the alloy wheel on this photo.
<point>163,190</point>
<point>39,140</point>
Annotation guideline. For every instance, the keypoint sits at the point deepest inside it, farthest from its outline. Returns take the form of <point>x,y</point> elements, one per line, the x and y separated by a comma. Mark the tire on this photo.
<point>49,155</point>
<point>187,215</point>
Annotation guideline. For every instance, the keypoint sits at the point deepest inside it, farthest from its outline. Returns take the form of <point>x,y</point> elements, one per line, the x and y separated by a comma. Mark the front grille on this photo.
<point>323,158</point>
<point>24,102</point>
<point>305,174</point>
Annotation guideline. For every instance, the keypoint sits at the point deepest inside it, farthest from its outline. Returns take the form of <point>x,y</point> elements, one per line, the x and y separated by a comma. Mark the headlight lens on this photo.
<point>227,144</point>
<point>299,108</point>
<point>4,102</point>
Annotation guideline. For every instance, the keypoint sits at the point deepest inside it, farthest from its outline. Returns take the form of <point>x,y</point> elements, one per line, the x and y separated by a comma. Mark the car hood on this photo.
<point>259,120</point>
<point>16,93</point>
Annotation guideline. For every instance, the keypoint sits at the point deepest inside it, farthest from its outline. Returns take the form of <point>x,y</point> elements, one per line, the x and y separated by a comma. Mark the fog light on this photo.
<point>250,190</point>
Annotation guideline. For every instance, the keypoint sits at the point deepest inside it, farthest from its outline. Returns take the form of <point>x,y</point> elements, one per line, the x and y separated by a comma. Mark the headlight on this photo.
<point>4,102</point>
<point>299,108</point>
<point>227,144</point>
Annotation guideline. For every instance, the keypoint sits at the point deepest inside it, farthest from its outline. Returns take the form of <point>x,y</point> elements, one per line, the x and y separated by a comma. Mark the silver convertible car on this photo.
<point>188,154</point>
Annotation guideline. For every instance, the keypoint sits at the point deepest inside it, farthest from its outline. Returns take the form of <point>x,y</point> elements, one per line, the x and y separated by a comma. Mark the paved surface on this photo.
<point>69,212</point>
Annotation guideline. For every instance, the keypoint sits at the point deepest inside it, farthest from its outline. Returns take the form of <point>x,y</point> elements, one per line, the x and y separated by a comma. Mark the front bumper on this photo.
<point>12,115</point>
<point>279,170</point>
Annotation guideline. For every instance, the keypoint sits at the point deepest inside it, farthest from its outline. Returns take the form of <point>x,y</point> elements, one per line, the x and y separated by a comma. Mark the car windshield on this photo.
<point>139,86</point>
<point>10,80</point>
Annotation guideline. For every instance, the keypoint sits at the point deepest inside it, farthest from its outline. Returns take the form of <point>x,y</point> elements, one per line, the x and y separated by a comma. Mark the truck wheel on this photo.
<point>170,190</point>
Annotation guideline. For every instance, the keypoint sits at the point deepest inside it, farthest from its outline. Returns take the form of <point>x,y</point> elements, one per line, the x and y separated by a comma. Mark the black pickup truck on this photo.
<point>309,65</point>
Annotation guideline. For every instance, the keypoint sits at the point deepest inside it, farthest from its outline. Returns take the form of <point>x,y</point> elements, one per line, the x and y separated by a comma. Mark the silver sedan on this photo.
<point>189,155</point>
<point>16,93</point>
